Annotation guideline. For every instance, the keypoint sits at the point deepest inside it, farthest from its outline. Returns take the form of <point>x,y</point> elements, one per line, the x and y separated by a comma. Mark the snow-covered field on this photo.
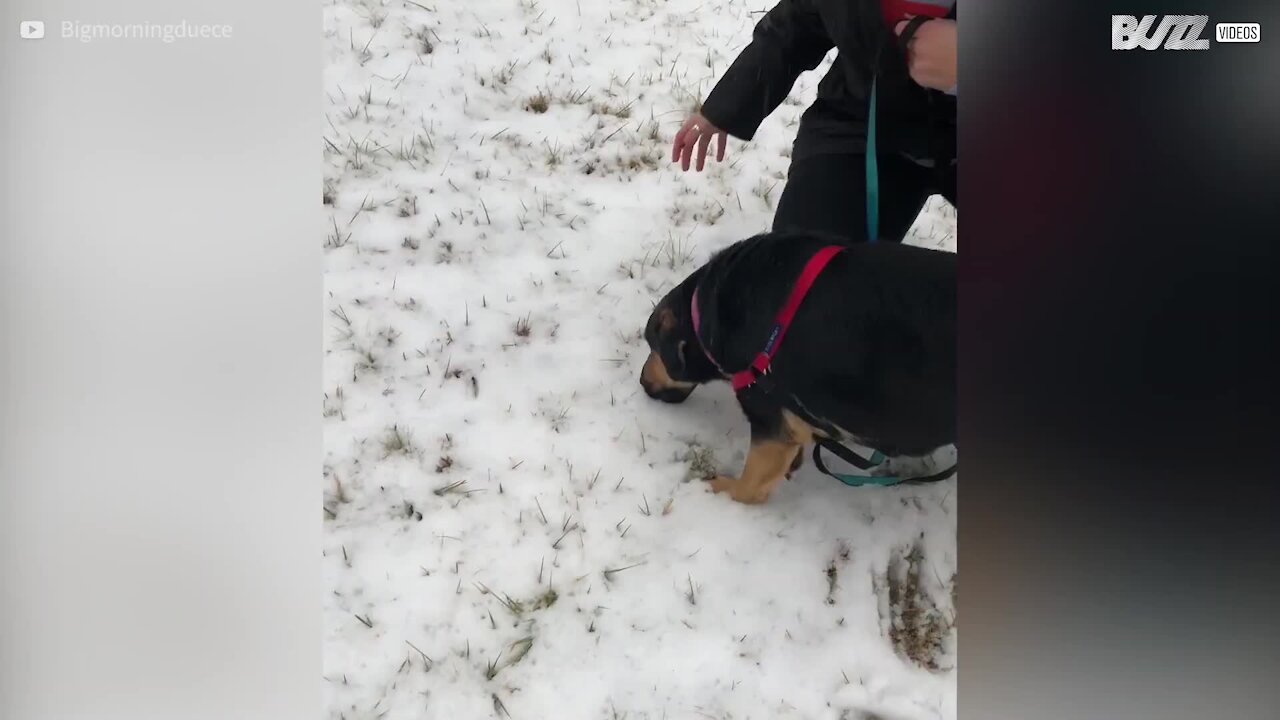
<point>512,529</point>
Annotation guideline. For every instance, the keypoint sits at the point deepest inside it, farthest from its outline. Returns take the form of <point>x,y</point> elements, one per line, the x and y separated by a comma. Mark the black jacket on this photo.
<point>794,37</point>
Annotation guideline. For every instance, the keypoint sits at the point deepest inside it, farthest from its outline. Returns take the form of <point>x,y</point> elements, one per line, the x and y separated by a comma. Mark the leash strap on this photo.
<point>877,458</point>
<point>872,163</point>
<point>848,455</point>
<point>873,172</point>
<point>695,312</point>
<point>760,365</point>
<point>909,31</point>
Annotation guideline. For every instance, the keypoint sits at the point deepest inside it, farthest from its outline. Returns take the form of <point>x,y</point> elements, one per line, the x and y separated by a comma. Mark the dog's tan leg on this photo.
<point>802,433</point>
<point>795,464</point>
<point>768,463</point>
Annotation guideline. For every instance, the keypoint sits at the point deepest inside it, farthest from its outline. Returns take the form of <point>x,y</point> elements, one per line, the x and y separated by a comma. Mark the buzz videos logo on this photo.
<point>1176,32</point>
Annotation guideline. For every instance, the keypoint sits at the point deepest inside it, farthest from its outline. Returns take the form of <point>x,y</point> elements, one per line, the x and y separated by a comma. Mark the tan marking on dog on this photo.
<point>795,464</point>
<point>666,320</point>
<point>841,435</point>
<point>767,464</point>
<point>654,373</point>
<point>801,431</point>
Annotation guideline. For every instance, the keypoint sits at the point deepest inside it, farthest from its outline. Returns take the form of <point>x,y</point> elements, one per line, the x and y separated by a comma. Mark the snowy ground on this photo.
<point>511,526</point>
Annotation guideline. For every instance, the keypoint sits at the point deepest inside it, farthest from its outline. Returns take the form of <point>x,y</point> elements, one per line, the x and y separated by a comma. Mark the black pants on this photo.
<point>828,194</point>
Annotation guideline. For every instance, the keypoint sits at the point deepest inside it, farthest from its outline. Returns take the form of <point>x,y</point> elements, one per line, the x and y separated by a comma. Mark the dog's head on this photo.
<point>676,363</point>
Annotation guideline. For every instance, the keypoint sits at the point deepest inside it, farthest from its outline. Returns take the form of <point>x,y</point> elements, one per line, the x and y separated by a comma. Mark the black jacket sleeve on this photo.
<point>787,41</point>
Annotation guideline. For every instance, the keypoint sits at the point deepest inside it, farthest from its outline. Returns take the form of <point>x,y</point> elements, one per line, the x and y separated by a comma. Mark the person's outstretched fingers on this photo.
<point>724,140</point>
<point>703,141</point>
<point>686,152</point>
<point>678,144</point>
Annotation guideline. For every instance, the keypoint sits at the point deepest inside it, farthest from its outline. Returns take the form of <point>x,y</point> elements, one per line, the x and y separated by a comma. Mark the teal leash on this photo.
<point>893,480</point>
<point>889,480</point>
<point>873,234</point>
<point>877,458</point>
<point>873,172</point>
<point>873,169</point>
<point>868,465</point>
<point>864,480</point>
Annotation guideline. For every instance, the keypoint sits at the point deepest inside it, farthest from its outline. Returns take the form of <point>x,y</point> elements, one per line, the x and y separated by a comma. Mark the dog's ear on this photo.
<point>672,353</point>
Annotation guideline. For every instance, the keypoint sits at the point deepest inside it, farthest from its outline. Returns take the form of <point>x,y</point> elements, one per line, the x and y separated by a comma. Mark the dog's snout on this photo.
<point>673,395</point>
<point>658,384</point>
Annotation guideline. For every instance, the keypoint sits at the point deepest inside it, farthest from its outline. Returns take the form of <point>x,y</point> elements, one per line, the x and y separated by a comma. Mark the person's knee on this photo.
<point>823,195</point>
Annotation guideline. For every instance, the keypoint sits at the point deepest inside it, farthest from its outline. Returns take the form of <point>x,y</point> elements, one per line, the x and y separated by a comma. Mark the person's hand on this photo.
<point>697,130</point>
<point>931,54</point>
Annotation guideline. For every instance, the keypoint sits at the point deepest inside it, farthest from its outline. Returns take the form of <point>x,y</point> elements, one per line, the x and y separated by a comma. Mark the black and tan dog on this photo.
<point>870,356</point>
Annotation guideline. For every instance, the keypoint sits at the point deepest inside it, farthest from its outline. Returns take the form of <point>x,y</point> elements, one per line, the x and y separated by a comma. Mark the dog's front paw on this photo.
<point>737,490</point>
<point>722,483</point>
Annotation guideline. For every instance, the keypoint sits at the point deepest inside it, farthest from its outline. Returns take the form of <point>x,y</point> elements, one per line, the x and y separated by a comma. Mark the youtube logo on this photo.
<point>31,29</point>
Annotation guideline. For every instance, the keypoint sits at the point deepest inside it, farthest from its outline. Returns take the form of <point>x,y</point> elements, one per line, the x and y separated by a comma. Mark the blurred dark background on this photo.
<point>1119,393</point>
